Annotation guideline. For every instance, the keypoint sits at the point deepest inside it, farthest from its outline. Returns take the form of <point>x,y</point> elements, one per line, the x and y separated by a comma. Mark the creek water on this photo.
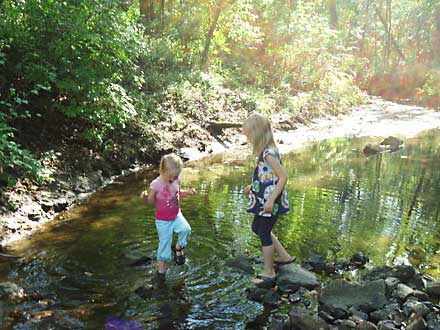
<point>386,206</point>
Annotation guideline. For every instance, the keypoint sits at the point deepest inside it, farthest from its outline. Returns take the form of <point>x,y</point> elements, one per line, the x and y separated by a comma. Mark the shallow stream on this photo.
<point>386,206</point>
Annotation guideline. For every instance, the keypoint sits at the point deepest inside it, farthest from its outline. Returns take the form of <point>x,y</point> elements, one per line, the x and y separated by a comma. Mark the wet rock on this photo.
<point>416,282</point>
<point>417,324</point>
<point>294,298</point>
<point>280,322</point>
<point>315,263</point>
<point>241,263</point>
<point>370,296</point>
<point>359,259</point>
<point>256,294</point>
<point>372,149</point>
<point>11,291</point>
<point>327,317</point>
<point>342,265</point>
<point>391,283</point>
<point>433,289</point>
<point>345,324</point>
<point>404,273</point>
<point>142,261</point>
<point>393,142</point>
<point>389,144</point>
<point>387,325</point>
<point>365,325</point>
<point>330,269</point>
<point>433,324</point>
<point>357,314</point>
<point>303,320</point>
<point>390,312</point>
<point>292,276</point>
<point>145,291</point>
<point>272,298</point>
<point>413,306</point>
<point>338,312</point>
<point>403,291</point>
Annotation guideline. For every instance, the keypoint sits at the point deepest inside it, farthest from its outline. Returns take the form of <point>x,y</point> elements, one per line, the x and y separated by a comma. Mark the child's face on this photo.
<point>172,174</point>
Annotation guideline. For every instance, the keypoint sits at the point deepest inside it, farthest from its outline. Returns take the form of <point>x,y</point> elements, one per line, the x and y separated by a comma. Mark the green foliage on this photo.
<point>14,161</point>
<point>102,66</point>
<point>81,53</point>
<point>429,93</point>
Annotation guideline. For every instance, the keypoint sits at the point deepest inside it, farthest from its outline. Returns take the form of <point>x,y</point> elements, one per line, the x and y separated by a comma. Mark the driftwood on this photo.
<point>216,127</point>
<point>6,257</point>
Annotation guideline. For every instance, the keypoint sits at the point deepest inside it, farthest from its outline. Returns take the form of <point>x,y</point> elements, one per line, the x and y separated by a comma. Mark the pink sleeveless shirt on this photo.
<point>167,198</point>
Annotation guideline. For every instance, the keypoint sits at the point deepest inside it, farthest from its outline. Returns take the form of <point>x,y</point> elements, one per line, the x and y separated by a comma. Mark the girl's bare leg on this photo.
<point>161,266</point>
<point>268,269</point>
<point>283,255</point>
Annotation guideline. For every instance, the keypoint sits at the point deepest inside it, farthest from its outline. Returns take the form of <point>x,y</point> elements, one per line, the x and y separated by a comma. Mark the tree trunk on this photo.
<point>146,8</point>
<point>331,4</point>
<point>392,40</point>
<point>388,31</point>
<point>210,34</point>
<point>436,36</point>
<point>292,5</point>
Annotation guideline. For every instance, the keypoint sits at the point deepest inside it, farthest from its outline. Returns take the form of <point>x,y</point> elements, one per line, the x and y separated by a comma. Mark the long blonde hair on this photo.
<point>260,133</point>
<point>170,161</point>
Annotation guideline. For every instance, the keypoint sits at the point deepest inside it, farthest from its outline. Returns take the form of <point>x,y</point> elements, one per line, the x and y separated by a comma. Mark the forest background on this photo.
<point>81,78</point>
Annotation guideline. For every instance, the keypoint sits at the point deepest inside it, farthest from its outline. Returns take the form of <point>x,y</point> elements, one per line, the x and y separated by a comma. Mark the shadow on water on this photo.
<point>77,271</point>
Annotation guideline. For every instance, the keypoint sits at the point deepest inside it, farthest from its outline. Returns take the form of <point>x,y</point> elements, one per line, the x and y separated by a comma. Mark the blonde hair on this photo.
<point>170,161</point>
<point>260,133</point>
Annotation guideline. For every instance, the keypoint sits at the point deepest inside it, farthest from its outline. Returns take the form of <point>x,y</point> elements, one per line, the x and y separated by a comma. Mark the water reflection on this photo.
<point>385,206</point>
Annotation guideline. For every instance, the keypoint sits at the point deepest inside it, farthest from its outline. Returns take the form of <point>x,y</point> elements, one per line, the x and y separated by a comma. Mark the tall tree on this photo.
<point>331,5</point>
<point>146,8</point>
<point>217,10</point>
<point>436,34</point>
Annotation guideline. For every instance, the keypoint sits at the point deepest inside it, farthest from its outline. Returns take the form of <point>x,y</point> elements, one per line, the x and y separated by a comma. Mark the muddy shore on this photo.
<point>35,205</point>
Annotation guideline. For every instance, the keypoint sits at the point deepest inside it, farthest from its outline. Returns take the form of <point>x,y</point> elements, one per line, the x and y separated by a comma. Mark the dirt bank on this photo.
<point>37,204</point>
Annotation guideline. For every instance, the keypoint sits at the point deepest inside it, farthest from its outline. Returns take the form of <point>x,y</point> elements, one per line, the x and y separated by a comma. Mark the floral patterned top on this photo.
<point>264,182</point>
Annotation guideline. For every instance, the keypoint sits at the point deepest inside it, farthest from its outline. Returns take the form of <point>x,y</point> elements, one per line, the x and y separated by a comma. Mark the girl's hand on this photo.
<point>268,206</point>
<point>247,190</point>
<point>144,195</point>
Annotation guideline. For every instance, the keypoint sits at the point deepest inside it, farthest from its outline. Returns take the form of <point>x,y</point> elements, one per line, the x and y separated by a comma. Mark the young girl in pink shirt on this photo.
<point>165,194</point>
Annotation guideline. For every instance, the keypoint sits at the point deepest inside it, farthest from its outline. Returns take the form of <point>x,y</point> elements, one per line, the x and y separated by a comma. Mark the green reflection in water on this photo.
<point>385,206</point>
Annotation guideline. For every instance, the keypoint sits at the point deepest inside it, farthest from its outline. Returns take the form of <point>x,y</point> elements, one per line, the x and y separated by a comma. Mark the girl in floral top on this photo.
<point>267,195</point>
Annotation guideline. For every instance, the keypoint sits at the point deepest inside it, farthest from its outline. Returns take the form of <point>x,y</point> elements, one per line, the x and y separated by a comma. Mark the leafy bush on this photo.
<point>82,53</point>
<point>429,93</point>
<point>14,161</point>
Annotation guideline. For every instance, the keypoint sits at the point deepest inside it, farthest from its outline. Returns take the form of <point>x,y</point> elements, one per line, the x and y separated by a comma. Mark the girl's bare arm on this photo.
<point>149,198</point>
<point>188,192</point>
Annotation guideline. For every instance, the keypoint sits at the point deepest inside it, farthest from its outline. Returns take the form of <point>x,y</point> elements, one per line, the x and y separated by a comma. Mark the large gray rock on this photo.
<point>370,296</point>
<point>403,272</point>
<point>303,320</point>
<point>292,276</point>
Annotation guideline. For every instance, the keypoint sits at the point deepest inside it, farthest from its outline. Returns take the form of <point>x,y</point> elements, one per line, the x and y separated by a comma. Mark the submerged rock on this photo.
<point>241,263</point>
<point>370,296</point>
<point>389,144</point>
